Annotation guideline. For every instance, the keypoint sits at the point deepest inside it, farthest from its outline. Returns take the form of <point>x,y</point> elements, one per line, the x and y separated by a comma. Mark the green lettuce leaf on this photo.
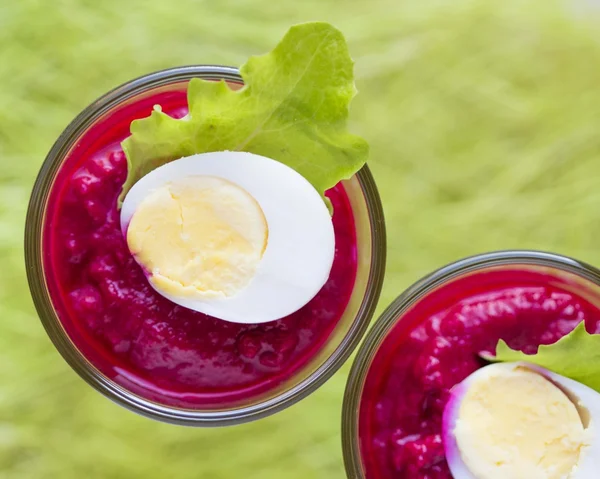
<point>293,108</point>
<point>576,356</point>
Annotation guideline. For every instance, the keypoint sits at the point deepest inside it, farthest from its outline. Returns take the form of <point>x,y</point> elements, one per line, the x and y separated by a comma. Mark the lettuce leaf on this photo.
<point>293,108</point>
<point>576,356</point>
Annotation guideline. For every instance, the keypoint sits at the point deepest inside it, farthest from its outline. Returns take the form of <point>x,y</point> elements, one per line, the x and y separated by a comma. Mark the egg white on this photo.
<point>301,242</point>
<point>585,399</point>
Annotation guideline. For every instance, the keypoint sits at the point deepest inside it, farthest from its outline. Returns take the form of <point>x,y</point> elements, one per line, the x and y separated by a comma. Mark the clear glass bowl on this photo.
<point>404,313</point>
<point>115,106</point>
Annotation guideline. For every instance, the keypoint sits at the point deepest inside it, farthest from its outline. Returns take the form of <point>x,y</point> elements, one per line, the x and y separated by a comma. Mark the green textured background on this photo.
<point>484,120</point>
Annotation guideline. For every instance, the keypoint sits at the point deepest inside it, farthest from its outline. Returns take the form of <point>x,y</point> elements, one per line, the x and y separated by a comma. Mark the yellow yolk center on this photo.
<point>199,237</point>
<point>516,424</point>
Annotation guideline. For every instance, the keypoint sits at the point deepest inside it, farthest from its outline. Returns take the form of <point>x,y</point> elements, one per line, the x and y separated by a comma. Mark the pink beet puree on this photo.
<point>436,345</point>
<point>138,338</point>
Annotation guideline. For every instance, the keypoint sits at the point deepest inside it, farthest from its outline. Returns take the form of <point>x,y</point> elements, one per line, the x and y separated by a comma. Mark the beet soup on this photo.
<point>142,337</point>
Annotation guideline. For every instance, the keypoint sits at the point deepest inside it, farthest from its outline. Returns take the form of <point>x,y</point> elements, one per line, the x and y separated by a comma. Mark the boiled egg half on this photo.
<point>520,421</point>
<point>234,235</point>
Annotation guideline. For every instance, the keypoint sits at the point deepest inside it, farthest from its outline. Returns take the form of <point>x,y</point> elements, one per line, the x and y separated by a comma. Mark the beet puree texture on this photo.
<point>135,336</point>
<point>436,345</point>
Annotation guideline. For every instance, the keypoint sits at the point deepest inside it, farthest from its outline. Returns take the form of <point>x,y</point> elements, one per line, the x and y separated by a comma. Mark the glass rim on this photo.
<point>35,220</point>
<point>387,320</point>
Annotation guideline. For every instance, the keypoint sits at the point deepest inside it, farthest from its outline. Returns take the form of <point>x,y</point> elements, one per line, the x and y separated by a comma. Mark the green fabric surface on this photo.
<point>484,122</point>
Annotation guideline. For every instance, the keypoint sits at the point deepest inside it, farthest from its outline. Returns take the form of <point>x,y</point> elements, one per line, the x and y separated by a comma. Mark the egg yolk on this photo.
<point>199,237</point>
<point>517,424</point>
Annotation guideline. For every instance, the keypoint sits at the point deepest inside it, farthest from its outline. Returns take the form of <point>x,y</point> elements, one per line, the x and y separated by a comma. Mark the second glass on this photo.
<point>431,338</point>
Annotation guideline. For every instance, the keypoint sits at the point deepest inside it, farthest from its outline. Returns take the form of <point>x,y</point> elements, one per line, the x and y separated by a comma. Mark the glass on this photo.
<point>118,106</point>
<point>566,273</point>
